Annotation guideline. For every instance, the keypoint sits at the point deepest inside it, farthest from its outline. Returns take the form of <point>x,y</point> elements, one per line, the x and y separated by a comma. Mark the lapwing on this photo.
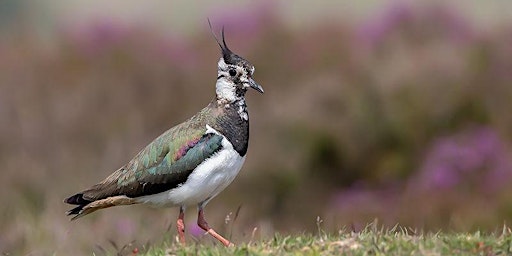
<point>190,163</point>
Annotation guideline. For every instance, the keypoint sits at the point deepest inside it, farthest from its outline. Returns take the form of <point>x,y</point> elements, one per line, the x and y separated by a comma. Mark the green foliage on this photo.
<point>370,241</point>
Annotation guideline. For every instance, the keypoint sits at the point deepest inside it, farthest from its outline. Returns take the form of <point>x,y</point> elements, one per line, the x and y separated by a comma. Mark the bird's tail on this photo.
<point>86,206</point>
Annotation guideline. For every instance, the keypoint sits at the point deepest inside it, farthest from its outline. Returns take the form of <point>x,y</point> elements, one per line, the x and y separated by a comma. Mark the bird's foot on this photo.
<point>221,239</point>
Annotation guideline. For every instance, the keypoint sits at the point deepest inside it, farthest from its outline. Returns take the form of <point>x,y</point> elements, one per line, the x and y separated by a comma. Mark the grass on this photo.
<point>370,241</point>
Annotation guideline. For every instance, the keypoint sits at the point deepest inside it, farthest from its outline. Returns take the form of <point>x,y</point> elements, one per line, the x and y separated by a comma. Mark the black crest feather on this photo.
<point>228,56</point>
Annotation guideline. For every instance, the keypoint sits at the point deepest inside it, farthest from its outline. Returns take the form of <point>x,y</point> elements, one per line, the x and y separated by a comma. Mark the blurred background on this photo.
<point>383,110</point>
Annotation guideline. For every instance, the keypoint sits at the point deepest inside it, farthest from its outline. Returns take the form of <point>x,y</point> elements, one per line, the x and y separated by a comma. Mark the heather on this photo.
<point>401,117</point>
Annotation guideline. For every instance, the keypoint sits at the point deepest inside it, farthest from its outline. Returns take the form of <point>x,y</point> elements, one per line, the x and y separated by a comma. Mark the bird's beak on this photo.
<point>255,85</point>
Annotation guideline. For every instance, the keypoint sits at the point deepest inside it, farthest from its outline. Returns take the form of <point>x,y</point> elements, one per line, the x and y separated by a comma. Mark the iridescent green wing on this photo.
<point>162,165</point>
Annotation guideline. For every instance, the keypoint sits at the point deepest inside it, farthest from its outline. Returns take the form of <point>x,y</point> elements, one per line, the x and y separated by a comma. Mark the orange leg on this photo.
<point>204,225</point>
<point>181,226</point>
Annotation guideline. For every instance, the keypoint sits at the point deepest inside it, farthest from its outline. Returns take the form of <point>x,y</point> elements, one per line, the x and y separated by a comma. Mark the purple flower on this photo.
<point>99,35</point>
<point>436,21</point>
<point>126,227</point>
<point>194,229</point>
<point>475,157</point>
<point>443,177</point>
<point>245,23</point>
<point>360,195</point>
<point>458,27</point>
<point>176,50</point>
<point>374,30</point>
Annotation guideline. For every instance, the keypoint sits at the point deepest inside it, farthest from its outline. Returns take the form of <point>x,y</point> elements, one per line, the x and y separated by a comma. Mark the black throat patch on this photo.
<point>234,127</point>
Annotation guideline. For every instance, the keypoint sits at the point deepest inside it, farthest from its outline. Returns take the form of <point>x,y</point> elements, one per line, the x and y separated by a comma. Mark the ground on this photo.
<point>370,241</point>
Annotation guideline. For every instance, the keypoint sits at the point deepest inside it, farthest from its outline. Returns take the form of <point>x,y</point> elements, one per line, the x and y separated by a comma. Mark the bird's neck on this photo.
<point>231,120</point>
<point>227,92</point>
<point>230,99</point>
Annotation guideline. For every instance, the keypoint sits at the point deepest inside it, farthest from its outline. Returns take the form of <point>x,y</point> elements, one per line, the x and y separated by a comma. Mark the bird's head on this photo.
<point>234,74</point>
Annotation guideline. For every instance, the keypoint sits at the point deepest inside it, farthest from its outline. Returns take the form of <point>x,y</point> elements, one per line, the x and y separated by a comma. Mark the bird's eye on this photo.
<point>232,72</point>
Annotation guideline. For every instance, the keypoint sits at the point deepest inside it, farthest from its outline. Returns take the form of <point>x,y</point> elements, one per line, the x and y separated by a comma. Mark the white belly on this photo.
<point>205,182</point>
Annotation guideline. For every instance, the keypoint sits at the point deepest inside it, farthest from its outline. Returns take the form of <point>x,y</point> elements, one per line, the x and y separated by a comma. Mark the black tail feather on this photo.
<point>75,211</point>
<point>77,199</point>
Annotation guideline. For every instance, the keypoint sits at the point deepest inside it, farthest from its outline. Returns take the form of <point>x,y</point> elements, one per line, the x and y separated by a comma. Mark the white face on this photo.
<point>231,78</point>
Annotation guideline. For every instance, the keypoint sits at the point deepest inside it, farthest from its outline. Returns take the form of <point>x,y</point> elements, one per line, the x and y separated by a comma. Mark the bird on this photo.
<point>190,163</point>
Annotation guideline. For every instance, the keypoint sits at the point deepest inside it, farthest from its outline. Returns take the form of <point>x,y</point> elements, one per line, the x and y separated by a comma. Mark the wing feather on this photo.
<point>161,166</point>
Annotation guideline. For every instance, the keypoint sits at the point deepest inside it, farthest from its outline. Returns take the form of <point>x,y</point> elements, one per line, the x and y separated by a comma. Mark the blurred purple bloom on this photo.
<point>439,21</point>
<point>458,28</point>
<point>351,197</point>
<point>247,23</point>
<point>194,229</point>
<point>126,227</point>
<point>172,49</point>
<point>476,157</point>
<point>99,35</point>
<point>443,177</point>
<point>374,30</point>
<point>360,195</point>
